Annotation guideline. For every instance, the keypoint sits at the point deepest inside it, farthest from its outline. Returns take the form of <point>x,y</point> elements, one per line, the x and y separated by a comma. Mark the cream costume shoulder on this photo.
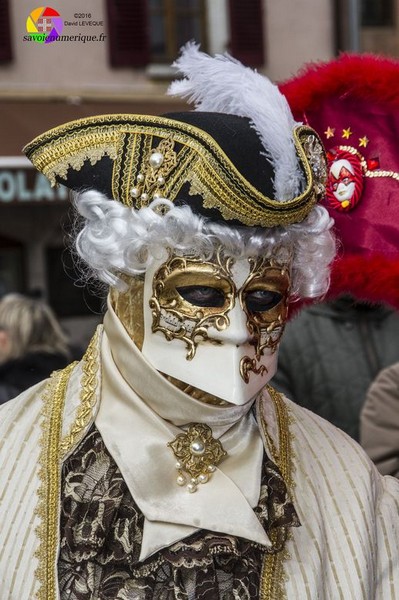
<point>35,429</point>
<point>349,516</point>
<point>346,546</point>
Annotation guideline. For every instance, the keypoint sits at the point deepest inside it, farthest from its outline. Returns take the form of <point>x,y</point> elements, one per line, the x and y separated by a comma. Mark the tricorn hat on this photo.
<point>247,164</point>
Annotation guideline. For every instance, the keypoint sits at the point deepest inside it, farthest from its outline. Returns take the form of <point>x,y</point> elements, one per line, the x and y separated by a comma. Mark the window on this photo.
<point>367,26</point>
<point>12,266</point>
<point>145,32</point>
<point>128,33</point>
<point>377,13</point>
<point>5,28</point>
<point>246,31</point>
<point>172,24</point>
<point>152,31</point>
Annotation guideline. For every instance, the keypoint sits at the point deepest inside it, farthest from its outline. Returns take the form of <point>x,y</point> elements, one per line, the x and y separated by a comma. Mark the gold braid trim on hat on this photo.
<point>156,156</point>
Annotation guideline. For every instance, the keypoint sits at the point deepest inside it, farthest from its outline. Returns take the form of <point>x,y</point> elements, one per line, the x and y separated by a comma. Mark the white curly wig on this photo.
<point>117,240</point>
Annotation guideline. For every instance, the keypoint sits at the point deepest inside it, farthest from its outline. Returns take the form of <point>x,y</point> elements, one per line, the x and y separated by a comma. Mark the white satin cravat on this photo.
<point>140,412</point>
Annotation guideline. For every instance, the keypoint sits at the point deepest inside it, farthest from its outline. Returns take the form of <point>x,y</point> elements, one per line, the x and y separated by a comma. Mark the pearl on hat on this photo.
<point>156,159</point>
<point>134,192</point>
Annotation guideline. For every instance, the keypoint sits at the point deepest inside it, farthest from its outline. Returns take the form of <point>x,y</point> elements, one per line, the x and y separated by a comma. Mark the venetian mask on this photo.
<point>216,324</point>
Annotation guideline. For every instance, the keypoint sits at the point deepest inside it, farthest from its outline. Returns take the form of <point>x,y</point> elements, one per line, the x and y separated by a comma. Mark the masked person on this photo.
<point>165,466</point>
<point>332,352</point>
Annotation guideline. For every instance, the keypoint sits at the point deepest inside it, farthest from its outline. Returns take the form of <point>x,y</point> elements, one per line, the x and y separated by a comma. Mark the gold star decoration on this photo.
<point>346,133</point>
<point>363,141</point>
<point>330,132</point>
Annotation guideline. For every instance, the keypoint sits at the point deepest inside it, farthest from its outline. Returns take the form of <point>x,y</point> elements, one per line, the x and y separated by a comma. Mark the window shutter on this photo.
<point>5,28</point>
<point>246,31</point>
<point>128,33</point>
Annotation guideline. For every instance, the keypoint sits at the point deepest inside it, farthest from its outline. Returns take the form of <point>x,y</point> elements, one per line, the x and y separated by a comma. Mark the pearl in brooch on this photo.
<point>197,453</point>
<point>181,480</point>
<point>197,447</point>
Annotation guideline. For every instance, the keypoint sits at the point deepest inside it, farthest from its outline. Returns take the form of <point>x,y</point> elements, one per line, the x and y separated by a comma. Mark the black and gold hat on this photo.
<point>217,163</point>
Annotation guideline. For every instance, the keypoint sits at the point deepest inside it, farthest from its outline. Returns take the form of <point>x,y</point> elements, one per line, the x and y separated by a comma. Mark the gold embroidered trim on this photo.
<point>87,398</point>
<point>213,176</point>
<point>173,185</point>
<point>52,451</point>
<point>130,170</point>
<point>72,153</point>
<point>272,578</point>
<point>120,175</point>
<point>49,475</point>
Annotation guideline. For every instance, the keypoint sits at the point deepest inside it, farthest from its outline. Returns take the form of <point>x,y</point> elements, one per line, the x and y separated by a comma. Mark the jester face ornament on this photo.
<point>345,180</point>
<point>216,324</point>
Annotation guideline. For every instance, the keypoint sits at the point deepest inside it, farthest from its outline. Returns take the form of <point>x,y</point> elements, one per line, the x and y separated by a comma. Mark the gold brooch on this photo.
<point>197,454</point>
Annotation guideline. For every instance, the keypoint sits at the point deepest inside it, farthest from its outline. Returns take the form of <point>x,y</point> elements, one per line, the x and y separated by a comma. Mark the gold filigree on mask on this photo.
<point>248,365</point>
<point>266,326</point>
<point>176,317</point>
<point>128,307</point>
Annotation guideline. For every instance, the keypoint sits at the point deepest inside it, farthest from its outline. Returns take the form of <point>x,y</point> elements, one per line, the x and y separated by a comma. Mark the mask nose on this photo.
<point>237,331</point>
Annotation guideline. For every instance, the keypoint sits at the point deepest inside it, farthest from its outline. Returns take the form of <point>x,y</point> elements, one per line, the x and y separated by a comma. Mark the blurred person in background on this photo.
<point>379,423</point>
<point>331,353</point>
<point>32,344</point>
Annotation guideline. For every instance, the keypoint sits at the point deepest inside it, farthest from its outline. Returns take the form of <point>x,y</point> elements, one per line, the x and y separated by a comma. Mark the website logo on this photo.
<point>44,25</point>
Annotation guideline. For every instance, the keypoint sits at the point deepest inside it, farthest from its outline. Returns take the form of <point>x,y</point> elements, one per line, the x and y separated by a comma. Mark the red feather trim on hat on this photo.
<point>373,78</point>
<point>351,274</point>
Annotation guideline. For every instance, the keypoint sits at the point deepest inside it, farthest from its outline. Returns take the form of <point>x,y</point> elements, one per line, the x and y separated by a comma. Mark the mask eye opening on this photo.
<point>261,300</point>
<point>202,295</point>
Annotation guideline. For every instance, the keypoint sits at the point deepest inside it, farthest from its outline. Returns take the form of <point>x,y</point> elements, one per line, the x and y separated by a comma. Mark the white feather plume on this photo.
<point>223,84</point>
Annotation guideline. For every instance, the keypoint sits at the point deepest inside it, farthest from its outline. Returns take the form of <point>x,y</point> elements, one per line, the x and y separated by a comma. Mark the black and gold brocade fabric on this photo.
<point>101,533</point>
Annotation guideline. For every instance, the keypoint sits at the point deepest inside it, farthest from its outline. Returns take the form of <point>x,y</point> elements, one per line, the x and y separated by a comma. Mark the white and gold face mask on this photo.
<point>216,324</point>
